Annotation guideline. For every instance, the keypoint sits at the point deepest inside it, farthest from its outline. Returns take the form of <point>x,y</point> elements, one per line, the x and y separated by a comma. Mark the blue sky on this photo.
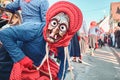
<point>92,9</point>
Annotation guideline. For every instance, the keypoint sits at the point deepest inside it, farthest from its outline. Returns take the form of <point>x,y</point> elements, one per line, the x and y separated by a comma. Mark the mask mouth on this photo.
<point>53,38</point>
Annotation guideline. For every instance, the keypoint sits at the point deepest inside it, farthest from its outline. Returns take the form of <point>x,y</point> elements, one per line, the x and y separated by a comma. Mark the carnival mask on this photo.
<point>57,27</point>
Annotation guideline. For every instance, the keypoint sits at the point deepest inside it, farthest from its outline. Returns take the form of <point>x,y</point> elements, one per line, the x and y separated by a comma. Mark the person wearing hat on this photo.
<point>63,20</point>
<point>92,39</point>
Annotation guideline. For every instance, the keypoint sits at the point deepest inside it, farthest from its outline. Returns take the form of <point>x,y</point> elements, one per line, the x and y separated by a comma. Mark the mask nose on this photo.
<point>54,32</point>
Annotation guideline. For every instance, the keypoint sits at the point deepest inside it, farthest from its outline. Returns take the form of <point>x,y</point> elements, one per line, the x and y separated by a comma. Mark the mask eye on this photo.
<point>63,28</point>
<point>54,23</point>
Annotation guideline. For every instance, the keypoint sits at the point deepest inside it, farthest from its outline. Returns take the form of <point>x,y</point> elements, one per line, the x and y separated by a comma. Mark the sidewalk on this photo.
<point>102,66</point>
<point>116,53</point>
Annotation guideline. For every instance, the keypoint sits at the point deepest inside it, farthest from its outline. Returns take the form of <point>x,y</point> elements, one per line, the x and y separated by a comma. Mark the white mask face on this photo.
<point>57,27</point>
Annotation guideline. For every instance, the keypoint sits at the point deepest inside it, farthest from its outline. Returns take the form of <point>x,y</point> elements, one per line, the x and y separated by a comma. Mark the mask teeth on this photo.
<point>55,36</point>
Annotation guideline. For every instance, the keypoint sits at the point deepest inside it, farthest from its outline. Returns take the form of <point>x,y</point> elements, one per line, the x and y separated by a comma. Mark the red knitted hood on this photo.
<point>75,16</point>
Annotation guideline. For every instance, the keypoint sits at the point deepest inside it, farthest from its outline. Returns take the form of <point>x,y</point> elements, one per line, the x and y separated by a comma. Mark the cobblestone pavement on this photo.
<point>103,66</point>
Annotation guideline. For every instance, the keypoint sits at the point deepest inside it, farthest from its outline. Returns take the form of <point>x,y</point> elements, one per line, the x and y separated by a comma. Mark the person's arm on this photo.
<point>10,36</point>
<point>44,7</point>
<point>13,6</point>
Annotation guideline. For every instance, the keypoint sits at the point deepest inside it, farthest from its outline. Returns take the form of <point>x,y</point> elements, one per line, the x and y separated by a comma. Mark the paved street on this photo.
<point>103,66</point>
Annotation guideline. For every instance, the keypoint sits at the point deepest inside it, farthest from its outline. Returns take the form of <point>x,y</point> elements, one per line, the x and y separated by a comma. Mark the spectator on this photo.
<point>93,30</point>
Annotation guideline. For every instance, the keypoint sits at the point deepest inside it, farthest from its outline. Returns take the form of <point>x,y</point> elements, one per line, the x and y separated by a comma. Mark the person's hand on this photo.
<point>26,62</point>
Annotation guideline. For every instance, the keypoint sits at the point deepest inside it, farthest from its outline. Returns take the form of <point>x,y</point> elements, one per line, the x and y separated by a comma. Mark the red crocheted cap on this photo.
<point>75,16</point>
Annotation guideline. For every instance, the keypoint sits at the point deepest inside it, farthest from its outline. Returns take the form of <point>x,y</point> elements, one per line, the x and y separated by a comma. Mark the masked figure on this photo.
<point>57,27</point>
<point>63,20</point>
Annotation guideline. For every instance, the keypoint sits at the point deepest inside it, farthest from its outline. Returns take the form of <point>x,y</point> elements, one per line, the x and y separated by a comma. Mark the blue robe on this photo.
<point>75,47</point>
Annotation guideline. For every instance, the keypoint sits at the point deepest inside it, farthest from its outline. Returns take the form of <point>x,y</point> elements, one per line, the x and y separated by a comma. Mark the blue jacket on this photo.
<point>34,11</point>
<point>29,32</point>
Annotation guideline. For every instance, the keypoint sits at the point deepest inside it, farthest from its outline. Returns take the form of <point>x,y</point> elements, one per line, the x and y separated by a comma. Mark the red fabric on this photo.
<point>26,62</point>
<point>96,45</point>
<point>53,67</point>
<point>4,16</point>
<point>19,72</point>
<point>16,72</point>
<point>27,1</point>
<point>75,16</point>
<point>44,78</point>
<point>78,38</point>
